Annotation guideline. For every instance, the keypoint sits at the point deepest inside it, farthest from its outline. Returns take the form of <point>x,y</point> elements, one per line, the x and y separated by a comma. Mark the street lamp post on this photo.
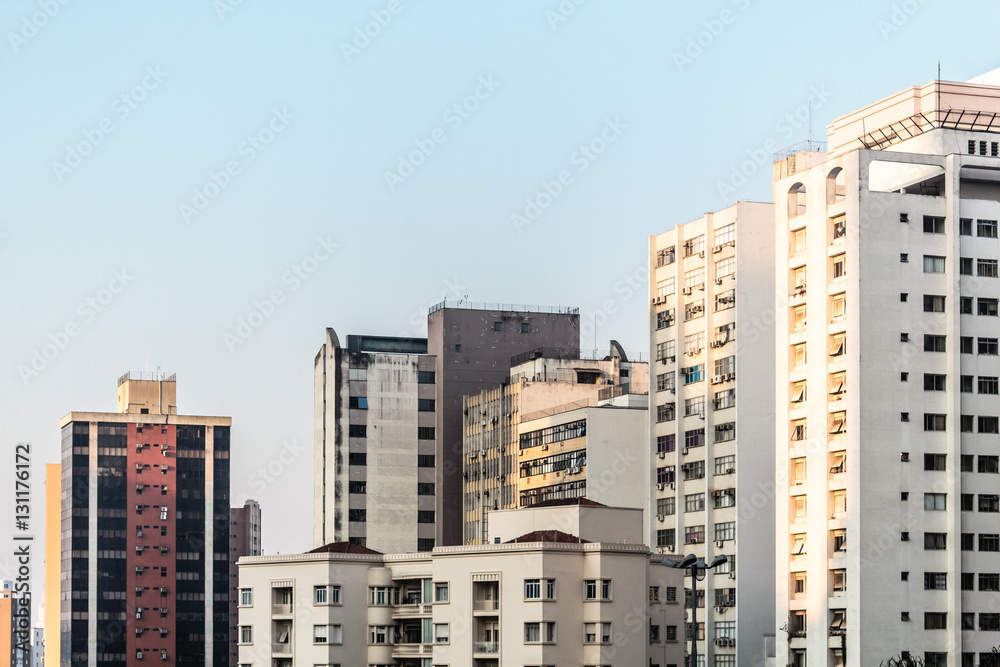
<point>694,564</point>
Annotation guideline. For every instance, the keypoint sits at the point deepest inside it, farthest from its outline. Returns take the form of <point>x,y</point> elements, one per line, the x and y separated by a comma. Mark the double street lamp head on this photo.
<point>693,562</point>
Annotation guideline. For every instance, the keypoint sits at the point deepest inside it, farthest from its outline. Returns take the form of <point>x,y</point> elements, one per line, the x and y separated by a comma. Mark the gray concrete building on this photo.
<point>388,420</point>
<point>244,540</point>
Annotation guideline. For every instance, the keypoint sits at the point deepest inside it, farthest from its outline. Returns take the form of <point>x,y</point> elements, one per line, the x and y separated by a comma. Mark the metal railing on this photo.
<point>149,376</point>
<point>504,307</point>
<point>486,647</point>
<point>802,146</point>
<point>486,605</point>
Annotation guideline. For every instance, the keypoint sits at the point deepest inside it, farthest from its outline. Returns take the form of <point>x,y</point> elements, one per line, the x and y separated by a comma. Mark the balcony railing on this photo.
<point>281,609</point>
<point>486,647</point>
<point>281,648</point>
<point>486,605</point>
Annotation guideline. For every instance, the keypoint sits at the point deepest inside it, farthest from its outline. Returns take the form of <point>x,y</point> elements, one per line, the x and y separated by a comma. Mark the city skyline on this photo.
<point>110,256</point>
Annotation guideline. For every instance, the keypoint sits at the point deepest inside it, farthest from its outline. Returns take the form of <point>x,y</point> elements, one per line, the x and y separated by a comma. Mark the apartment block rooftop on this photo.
<point>504,307</point>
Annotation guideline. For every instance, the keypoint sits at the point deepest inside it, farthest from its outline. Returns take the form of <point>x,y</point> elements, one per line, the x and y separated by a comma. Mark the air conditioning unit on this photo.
<point>716,249</point>
<point>719,543</point>
<point>730,471</point>
<point>718,379</point>
<point>686,291</point>
<point>719,609</point>
<point>718,281</point>
<point>732,575</point>
<point>661,455</point>
<point>702,254</point>
<point>730,376</point>
<point>661,517</point>
<point>685,451</point>
<point>659,487</point>
<point>670,548</point>
<point>671,485</point>
<point>574,470</point>
<point>672,358</point>
<point>545,448</point>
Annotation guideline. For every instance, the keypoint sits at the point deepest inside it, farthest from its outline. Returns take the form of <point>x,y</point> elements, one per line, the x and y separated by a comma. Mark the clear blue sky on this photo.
<point>119,122</point>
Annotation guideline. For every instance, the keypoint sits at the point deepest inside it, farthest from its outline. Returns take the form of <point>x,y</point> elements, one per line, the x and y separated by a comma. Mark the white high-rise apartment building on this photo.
<point>887,403</point>
<point>711,415</point>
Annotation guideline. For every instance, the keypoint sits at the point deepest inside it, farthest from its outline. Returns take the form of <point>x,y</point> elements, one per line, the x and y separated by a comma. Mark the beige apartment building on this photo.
<point>887,404</point>
<point>711,413</point>
<point>527,442</point>
<point>533,596</point>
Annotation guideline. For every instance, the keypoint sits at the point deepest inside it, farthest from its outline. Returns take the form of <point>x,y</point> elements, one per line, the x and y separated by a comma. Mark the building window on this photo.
<point>724,399</point>
<point>725,465</point>
<point>665,318</point>
<point>246,597</point>
<point>666,287</point>
<point>694,535</point>
<point>798,241</point>
<point>357,431</point>
<point>246,634</point>
<point>666,256</point>
<point>441,633</point>
<point>933,264</point>
<point>986,307</point>
<point>597,633</point>
<point>986,268</point>
<point>379,634</point>
<point>935,541</point>
<point>665,412</point>
<point>425,488</point>
<point>987,346</point>
<point>725,530</point>
<point>539,632</point>
<point>694,245</point>
<point>665,475</point>
<point>988,464</point>
<point>694,407</point>
<point>665,538</point>
<point>989,502</point>
<point>597,589</point>
<point>498,326</point>
<point>693,470</point>
<point>935,620</point>
<point>320,634</point>
<point>965,266</point>
<point>933,224</point>
<point>725,300</point>
<point>935,461</point>
<point>666,506</point>
<point>694,438</point>
<point>357,458</point>
<point>358,402</point>
<point>425,433</point>
<point>839,266</point>
<point>934,422</point>
<point>425,516</point>
<point>725,267</point>
<point>693,373</point>
<point>665,443</point>
<point>359,515</point>
<point>799,354</point>
<point>935,581</point>
<point>839,579</point>
<point>986,229</point>
<point>725,234</point>
<point>533,589</point>
<point>935,502</point>
<point>934,382</point>
<point>425,405</point>
<point>694,310</point>
<point>933,303</point>
<point>694,502</point>
<point>357,375</point>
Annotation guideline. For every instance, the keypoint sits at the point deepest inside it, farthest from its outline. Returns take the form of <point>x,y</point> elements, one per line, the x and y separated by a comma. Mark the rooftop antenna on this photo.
<point>937,113</point>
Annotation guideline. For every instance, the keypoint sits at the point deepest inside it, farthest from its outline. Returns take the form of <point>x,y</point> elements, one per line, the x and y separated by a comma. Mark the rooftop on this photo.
<point>343,548</point>
<point>560,502</point>
<point>548,536</point>
<point>147,376</point>
<point>504,307</point>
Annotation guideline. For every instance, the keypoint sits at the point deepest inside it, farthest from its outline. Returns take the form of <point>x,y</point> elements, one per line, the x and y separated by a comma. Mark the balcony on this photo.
<point>281,609</point>
<point>281,648</point>
<point>403,651</point>
<point>412,611</point>
<point>486,605</point>
<point>486,648</point>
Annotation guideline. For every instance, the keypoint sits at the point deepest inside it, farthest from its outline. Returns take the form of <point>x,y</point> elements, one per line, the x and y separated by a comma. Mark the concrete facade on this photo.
<point>388,420</point>
<point>886,250</point>
<point>244,540</point>
<point>472,345</point>
<point>547,598</point>
<point>711,377</point>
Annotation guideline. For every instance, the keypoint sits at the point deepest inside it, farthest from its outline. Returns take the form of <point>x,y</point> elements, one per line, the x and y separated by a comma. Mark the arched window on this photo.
<point>796,200</point>
<point>836,186</point>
